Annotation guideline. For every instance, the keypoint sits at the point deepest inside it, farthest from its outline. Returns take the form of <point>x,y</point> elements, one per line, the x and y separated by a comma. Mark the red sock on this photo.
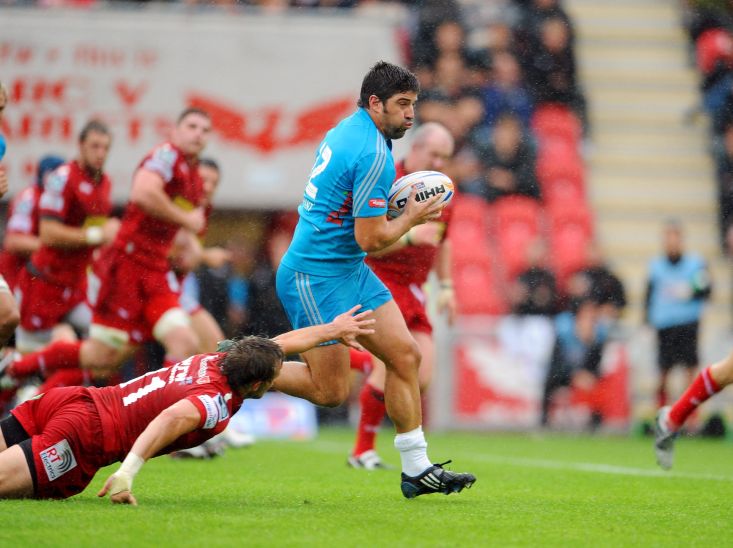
<point>65,377</point>
<point>44,362</point>
<point>372,413</point>
<point>360,361</point>
<point>700,390</point>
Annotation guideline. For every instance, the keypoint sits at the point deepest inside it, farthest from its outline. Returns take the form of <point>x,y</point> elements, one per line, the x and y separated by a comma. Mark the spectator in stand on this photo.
<point>534,292</point>
<point>532,14</point>
<point>724,168</point>
<point>596,281</point>
<point>74,211</point>
<point>550,69</point>
<point>678,285</point>
<point>450,101</point>
<point>21,230</point>
<point>506,92</point>
<point>576,357</point>
<point>431,15</point>
<point>509,163</point>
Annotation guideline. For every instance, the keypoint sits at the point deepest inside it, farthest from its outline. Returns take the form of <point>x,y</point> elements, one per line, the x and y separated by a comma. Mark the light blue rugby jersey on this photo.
<point>351,177</point>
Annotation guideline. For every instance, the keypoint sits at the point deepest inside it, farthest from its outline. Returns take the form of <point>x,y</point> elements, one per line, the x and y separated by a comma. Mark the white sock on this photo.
<point>413,451</point>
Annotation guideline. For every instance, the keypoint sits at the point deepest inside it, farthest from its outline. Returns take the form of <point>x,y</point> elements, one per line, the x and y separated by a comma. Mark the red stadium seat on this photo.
<point>467,208</point>
<point>558,159</point>
<point>478,289</point>
<point>563,193</point>
<point>570,233</point>
<point>556,120</point>
<point>516,225</point>
<point>713,46</point>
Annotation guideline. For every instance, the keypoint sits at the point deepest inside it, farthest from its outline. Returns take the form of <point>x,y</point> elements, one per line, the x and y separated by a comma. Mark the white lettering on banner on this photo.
<point>155,384</point>
<point>60,76</point>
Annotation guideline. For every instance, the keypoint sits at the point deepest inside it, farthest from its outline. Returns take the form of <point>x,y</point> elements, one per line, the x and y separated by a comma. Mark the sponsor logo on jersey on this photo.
<point>211,409</point>
<point>222,405</point>
<point>58,459</point>
<point>378,203</point>
<point>86,187</point>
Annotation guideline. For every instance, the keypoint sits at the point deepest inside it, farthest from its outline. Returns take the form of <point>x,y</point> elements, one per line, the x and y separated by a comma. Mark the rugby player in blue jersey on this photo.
<point>343,216</point>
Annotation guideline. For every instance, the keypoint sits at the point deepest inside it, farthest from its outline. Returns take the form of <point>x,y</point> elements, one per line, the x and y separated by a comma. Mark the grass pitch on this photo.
<point>531,490</point>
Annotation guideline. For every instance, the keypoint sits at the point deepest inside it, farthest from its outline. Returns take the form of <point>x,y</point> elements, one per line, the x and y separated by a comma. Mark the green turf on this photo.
<point>531,490</point>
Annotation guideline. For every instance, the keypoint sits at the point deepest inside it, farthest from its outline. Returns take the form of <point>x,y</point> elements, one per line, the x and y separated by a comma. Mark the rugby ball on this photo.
<point>427,183</point>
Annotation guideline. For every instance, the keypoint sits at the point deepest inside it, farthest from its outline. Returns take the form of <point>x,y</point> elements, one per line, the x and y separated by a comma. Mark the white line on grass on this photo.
<point>595,468</point>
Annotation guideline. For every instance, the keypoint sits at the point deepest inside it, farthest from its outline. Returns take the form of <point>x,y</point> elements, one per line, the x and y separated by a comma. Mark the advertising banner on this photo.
<point>273,84</point>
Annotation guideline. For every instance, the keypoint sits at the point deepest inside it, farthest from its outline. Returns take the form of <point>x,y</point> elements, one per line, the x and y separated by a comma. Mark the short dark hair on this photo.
<point>385,80</point>
<point>209,162</point>
<point>192,110</point>
<point>251,359</point>
<point>93,126</point>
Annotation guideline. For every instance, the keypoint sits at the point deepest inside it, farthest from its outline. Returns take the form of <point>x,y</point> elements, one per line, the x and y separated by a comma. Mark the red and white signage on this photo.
<point>274,84</point>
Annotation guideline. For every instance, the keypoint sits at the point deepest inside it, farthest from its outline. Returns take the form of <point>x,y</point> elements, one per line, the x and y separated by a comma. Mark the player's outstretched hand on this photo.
<point>349,326</point>
<point>124,496</point>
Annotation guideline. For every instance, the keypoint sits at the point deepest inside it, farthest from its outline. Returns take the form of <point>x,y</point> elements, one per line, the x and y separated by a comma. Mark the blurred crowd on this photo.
<point>709,24</point>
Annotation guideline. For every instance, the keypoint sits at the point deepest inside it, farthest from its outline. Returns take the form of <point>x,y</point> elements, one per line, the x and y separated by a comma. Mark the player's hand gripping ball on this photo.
<point>427,183</point>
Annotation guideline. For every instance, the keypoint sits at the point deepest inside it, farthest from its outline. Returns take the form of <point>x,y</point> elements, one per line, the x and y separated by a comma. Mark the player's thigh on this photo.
<point>391,341</point>
<point>63,332</point>
<point>16,480</point>
<point>208,331</point>
<point>329,367</point>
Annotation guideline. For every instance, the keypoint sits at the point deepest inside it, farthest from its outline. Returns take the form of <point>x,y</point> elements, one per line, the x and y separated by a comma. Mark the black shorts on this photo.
<point>678,346</point>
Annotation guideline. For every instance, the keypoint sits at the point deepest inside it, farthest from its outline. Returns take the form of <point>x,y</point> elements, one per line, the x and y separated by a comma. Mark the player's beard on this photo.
<point>390,131</point>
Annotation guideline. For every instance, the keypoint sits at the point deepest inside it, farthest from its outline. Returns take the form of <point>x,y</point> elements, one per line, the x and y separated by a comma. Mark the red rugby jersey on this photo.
<point>144,238</point>
<point>126,409</point>
<point>73,197</point>
<point>411,264</point>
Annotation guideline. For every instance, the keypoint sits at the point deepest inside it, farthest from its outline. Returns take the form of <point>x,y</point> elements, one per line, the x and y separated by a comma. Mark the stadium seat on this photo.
<point>556,159</point>
<point>714,46</point>
<point>556,120</point>
<point>570,232</point>
<point>468,208</point>
<point>563,193</point>
<point>477,288</point>
<point>516,225</point>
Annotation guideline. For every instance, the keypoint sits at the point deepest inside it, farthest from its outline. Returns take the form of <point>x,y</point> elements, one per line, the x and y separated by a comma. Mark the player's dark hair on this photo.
<point>251,359</point>
<point>385,80</point>
<point>209,162</point>
<point>192,110</point>
<point>93,126</point>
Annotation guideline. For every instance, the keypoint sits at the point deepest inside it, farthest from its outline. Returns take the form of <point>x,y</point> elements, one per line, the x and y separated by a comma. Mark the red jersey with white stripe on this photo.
<point>74,198</point>
<point>144,238</point>
<point>22,219</point>
<point>411,264</point>
<point>126,409</point>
